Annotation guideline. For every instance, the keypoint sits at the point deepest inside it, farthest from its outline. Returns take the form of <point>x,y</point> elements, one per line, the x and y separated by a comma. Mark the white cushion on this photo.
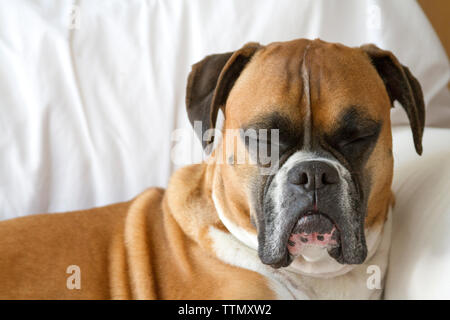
<point>420,253</point>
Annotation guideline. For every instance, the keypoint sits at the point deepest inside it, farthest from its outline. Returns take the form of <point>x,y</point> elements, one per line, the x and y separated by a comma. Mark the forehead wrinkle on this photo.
<point>307,121</point>
<point>317,76</point>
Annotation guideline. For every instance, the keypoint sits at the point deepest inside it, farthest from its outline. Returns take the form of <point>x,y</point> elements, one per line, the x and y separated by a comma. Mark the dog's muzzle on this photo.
<point>313,228</point>
<point>321,225</point>
<point>314,206</point>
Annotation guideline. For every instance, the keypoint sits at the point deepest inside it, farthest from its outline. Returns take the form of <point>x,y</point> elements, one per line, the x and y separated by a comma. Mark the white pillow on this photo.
<point>419,266</point>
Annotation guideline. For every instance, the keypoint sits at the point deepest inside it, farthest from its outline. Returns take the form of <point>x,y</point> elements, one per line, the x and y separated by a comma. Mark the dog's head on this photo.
<point>321,114</point>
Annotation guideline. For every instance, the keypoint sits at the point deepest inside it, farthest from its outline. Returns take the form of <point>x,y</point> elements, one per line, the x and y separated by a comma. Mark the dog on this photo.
<point>312,226</point>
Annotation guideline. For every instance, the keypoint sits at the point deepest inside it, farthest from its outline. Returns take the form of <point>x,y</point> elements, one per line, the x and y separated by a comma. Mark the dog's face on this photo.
<point>323,112</point>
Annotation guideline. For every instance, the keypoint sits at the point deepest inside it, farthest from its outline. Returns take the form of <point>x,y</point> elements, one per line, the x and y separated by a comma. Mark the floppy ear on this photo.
<point>402,86</point>
<point>209,84</point>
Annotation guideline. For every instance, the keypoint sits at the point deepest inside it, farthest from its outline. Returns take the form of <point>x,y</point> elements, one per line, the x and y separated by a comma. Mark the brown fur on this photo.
<point>142,249</point>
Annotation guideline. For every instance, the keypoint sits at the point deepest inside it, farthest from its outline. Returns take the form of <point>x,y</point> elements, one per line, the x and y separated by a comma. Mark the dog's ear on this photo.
<point>209,83</point>
<point>402,86</point>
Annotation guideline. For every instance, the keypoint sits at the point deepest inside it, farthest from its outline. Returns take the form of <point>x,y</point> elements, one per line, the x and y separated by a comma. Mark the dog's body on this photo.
<point>317,226</point>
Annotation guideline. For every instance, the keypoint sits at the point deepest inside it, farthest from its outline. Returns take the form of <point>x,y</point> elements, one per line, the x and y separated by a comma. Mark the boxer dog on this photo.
<point>315,226</point>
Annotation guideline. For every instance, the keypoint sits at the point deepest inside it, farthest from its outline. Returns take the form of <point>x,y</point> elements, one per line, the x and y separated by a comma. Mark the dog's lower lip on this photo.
<point>298,237</point>
<point>310,213</point>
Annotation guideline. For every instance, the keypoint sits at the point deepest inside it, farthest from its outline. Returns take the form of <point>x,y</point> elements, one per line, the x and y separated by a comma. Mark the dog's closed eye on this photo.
<point>358,139</point>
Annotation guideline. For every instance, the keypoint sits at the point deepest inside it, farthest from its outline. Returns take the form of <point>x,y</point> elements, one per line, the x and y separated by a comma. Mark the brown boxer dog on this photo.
<point>313,222</point>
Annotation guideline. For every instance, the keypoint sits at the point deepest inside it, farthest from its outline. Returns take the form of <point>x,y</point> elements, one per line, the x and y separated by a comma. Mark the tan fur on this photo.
<point>136,249</point>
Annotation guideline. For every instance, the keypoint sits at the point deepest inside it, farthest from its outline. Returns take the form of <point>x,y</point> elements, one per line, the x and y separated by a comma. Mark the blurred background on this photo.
<point>438,12</point>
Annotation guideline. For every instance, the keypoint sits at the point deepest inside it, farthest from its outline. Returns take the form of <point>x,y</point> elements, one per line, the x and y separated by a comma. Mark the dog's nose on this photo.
<point>313,175</point>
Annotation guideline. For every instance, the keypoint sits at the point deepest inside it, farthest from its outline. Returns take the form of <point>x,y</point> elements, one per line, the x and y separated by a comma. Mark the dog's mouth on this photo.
<point>313,230</point>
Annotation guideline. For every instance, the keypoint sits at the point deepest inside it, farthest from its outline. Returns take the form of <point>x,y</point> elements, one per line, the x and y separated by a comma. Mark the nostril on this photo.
<point>303,178</point>
<point>299,178</point>
<point>329,178</point>
<point>324,179</point>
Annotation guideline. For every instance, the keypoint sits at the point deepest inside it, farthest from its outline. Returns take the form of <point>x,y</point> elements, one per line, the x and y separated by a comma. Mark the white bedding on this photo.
<point>92,91</point>
<point>420,255</point>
